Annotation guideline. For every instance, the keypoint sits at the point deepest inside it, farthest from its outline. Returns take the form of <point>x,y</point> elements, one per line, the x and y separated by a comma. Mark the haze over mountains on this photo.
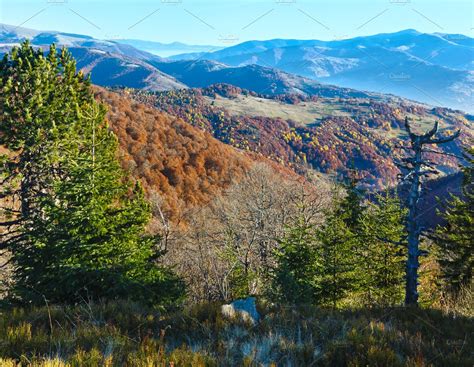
<point>436,69</point>
<point>167,49</point>
<point>431,68</point>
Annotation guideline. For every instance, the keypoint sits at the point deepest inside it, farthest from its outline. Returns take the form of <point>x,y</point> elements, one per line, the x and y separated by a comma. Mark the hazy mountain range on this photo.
<point>433,68</point>
<point>436,69</point>
<point>167,49</point>
<point>111,63</point>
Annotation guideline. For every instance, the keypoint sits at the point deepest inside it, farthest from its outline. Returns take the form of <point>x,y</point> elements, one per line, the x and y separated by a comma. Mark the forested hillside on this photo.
<point>331,135</point>
<point>175,161</point>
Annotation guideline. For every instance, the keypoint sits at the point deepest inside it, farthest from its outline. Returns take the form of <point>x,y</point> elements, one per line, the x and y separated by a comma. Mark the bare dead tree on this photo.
<point>417,167</point>
<point>237,233</point>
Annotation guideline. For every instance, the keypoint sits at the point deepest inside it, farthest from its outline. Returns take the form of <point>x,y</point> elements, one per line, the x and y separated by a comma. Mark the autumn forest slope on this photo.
<point>331,135</point>
<point>185,166</point>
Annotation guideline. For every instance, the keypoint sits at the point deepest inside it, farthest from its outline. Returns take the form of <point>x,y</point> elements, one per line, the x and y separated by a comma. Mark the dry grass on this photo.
<point>124,333</point>
<point>303,113</point>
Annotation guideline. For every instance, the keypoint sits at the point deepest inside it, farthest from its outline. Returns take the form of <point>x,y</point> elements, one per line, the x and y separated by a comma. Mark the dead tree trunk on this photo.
<point>418,167</point>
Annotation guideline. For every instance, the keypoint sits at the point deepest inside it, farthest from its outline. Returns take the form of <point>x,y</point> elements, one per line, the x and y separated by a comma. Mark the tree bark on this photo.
<point>412,265</point>
<point>415,167</point>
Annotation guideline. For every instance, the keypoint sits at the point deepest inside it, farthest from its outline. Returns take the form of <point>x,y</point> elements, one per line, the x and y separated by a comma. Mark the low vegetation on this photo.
<point>117,334</point>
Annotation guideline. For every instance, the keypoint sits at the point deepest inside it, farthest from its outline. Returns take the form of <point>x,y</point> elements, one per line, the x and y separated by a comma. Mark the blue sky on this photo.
<point>226,22</point>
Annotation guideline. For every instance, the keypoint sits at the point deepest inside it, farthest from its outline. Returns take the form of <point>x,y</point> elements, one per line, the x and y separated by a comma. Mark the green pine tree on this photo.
<point>316,265</point>
<point>79,230</point>
<point>455,239</point>
<point>294,277</point>
<point>335,252</point>
<point>380,250</point>
<point>338,245</point>
<point>351,207</point>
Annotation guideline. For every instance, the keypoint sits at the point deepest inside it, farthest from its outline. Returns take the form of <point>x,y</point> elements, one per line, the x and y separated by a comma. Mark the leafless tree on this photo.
<point>417,167</point>
<point>239,231</point>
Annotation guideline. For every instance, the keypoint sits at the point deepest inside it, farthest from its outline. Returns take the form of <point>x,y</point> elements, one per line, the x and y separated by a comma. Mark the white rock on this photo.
<point>246,309</point>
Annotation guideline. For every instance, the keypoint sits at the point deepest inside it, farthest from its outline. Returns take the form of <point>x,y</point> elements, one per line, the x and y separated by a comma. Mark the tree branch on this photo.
<point>442,153</point>
<point>432,132</point>
<point>10,223</point>
<point>445,139</point>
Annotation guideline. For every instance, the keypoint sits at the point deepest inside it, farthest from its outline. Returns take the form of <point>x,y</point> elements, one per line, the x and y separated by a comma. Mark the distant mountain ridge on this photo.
<point>114,64</point>
<point>433,68</point>
<point>110,63</point>
<point>167,49</point>
<point>260,79</point>
<point>11,35</point>
<point>417,44</point>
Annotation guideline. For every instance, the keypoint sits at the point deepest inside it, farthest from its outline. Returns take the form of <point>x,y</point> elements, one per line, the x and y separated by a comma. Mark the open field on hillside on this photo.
<point>312,112</point>
<point>304,113</point>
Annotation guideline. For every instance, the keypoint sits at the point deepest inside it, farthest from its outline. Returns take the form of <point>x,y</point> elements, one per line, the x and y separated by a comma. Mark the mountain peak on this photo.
<point>410,31</point>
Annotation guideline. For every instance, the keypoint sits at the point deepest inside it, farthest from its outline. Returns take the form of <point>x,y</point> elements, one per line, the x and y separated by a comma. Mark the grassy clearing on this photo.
<point>303,113</point>
<point>124,333</point>
<point>306,113</point>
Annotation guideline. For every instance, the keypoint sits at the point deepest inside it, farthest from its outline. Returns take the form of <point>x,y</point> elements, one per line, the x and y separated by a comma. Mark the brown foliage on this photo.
<point>184,165</point>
